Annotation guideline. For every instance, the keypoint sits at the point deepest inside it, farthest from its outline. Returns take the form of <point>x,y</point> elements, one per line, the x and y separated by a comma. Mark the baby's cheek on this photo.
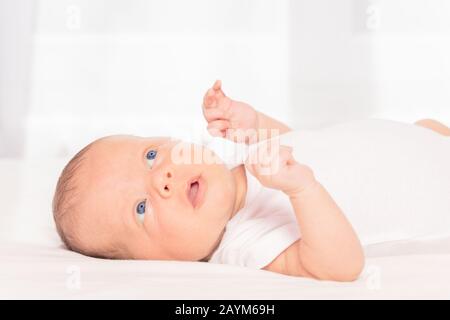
<point>221,201</point>
<point>173,220</point>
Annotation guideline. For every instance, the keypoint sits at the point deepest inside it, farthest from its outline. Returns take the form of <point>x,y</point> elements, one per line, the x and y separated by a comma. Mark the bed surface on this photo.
<point>30,271</point>
<point>34,265</point>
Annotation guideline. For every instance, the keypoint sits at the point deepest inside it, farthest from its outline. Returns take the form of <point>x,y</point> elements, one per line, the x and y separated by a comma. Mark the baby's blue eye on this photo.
<point>140,210</point>
<point>151,155</point>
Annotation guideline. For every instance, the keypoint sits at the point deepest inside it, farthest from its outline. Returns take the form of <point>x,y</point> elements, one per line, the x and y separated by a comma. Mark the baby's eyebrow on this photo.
<point>155,143</point>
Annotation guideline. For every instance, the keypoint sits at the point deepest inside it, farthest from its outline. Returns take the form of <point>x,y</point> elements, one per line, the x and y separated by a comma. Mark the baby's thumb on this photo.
<point>218,128</point>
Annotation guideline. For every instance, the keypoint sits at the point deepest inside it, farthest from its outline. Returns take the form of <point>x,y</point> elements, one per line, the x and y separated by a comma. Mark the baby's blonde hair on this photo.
<point>67,209</point>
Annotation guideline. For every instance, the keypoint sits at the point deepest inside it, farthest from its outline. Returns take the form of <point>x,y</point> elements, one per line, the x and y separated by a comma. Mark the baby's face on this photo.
<point>151,206</point>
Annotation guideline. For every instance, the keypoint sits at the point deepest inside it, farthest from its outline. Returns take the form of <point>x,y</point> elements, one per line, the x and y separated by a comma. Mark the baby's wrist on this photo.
<point>306,181</point>
<point>302,191</point>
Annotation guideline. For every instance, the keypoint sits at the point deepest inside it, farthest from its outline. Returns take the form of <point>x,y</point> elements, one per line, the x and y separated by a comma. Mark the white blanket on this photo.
<point>29,271</point>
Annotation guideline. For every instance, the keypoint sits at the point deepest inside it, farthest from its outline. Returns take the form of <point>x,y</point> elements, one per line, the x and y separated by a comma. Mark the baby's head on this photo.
<point>128,197</point>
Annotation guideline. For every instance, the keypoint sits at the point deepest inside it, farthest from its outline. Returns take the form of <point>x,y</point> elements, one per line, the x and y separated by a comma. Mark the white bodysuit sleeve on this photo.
<point>260,231</point>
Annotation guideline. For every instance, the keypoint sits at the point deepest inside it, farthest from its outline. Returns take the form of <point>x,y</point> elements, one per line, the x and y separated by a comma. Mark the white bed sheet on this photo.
<point>33,265</point>
<point>47,272</point>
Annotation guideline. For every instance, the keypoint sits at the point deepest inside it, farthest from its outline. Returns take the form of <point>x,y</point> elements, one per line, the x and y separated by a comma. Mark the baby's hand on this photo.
<point>275,167</point>
<point>234,120</point>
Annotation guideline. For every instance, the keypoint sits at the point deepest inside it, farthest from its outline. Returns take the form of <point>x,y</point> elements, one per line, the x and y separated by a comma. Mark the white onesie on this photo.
<point>391,179</point>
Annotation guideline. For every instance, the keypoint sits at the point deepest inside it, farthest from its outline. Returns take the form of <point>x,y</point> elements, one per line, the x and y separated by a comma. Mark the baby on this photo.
<point>126,197</point>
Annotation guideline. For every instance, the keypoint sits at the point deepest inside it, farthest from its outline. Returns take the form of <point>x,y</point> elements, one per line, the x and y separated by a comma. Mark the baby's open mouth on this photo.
<point>192,192</point>
<point>196,189</point>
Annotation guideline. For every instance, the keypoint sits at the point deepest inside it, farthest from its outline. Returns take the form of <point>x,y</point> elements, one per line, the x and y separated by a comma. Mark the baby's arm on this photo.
<point>271,126</point>
<point>329,248</point>
<point>237,121</point>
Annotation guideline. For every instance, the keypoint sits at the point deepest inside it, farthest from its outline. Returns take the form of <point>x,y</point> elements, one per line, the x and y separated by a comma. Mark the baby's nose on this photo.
<point>165,184</point>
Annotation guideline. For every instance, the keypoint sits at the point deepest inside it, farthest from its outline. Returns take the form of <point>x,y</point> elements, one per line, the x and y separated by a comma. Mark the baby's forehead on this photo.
<point>119,158</point>
<point>128,140</point>
<point>116,144</point>
<point>118,139</point>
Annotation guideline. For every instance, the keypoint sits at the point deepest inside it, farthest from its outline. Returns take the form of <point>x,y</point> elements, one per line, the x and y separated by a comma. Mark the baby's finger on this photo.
<point>291,160</point>
<point>218,128</point>
<point>209,100</point>
<point>285,152</point>
<point>219,124</point>
<point>286,157</point>
<point>216,132</point>
<point>212,114</point>
<point>217,85</point>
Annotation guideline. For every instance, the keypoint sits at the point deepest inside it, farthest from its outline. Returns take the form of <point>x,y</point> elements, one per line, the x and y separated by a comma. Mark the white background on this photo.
<point>71,71</point>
